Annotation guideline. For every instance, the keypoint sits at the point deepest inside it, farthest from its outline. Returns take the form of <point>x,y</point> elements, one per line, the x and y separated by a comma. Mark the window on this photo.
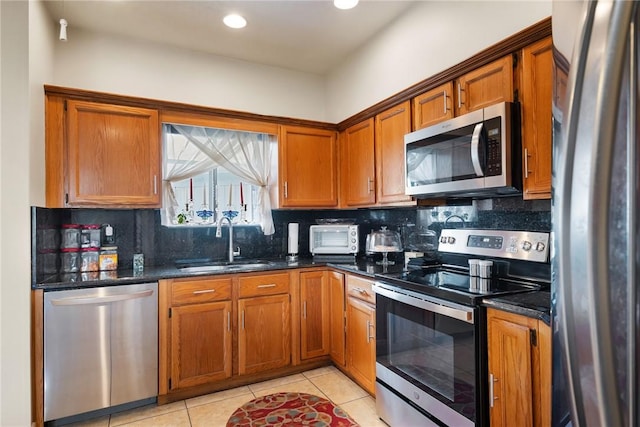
<point>209,173</point>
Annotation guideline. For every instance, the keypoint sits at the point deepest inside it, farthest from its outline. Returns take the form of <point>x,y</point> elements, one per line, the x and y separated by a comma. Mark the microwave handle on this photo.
<point>475,145</point>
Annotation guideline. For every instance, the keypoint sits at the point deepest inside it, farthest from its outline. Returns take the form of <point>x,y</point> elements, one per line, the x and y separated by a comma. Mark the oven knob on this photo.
<point>353,240</point>
<point>526,246</point>
<point>540,246</point>
<point>451,240</point>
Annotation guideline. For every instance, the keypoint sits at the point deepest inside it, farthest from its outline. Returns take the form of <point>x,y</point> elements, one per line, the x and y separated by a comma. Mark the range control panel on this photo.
<point>523,245</point>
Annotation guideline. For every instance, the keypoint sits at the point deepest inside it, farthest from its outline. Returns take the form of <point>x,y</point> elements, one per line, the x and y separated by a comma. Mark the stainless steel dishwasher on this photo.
<point>100,348</point>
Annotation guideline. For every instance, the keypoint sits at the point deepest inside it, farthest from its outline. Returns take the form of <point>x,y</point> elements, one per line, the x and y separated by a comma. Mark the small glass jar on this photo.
<point>70,236</point>
<point>108,258</point>
<point>70,260</point>
<point>89,260</point>
<point>90,236</point>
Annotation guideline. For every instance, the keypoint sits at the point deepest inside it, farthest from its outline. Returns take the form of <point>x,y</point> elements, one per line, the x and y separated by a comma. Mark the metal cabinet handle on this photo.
<point>369,337</point>
<point>155,184</point>
<point>101,299</point>
<point>370,185</point>
<point>228,321</point>
<point>242,319</point>
<point>492,398</point>
<point>526,163</point>
<point>444,94</point>
<point>304,309</point>
<point>268,285</point>
<point>204,291</point>
<point>286,189</point>
<point>460,90</point>
<point>361,291</point>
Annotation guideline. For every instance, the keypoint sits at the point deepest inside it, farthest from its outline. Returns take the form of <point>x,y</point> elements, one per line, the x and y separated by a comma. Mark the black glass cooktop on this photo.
<point>453,285</point>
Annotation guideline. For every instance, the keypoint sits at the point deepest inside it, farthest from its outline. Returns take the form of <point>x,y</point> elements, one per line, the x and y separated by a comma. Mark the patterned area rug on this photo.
<point>291,409</point>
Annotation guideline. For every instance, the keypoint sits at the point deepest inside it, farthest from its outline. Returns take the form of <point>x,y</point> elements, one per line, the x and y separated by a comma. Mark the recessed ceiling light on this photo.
<point>234,21</point>
<point>345,4</point>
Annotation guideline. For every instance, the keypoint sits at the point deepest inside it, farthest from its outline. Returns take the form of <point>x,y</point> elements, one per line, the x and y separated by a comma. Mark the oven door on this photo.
<point>427,354</point>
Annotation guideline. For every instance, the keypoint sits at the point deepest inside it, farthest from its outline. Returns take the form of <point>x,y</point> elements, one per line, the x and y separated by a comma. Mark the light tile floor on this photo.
<point>214,409</point>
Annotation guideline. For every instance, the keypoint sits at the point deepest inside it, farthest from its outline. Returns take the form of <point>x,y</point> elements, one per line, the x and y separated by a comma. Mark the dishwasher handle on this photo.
<point>101,300</point>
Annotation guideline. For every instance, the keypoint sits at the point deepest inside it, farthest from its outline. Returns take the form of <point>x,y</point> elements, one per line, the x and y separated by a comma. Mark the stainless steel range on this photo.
<point>431,366</point>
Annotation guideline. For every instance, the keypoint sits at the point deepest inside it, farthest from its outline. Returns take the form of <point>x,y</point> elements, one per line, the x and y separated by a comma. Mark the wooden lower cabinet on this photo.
<point>264,333</point>
<point>361,331</point>
<point>314,314</point>
<point>337,318</point>
<point>519,370</point>
<point>200,344</point>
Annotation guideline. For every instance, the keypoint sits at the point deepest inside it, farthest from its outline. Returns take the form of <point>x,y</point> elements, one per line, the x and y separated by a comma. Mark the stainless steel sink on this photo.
<point>242,265</point>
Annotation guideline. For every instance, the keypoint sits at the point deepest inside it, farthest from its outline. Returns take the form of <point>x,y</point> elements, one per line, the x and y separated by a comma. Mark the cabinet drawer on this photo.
<point>264,284</point>
<point>190,291</point>
<point>361,289</point>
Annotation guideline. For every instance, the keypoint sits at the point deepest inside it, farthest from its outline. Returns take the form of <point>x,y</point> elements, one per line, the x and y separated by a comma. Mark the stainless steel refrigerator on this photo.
<point>595,260</point>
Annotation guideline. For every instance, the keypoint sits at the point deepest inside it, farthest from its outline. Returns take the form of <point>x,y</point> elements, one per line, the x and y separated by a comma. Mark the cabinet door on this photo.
<point>200,344</point>
<point>314,324</point>
<point>484,86</point>
<point>361,343</point>
<point>113,155</point>
<point>391,127</point>
<point>336,295</point>
<point>433,106</point>
<point>264,333</point>
<point>358,165</point>
<point>537,84</point>
<point>308,167</point>
<point>510,369</point>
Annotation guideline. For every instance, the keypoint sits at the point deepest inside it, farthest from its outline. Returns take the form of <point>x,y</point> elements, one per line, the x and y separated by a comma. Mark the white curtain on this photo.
<point>244,154</point>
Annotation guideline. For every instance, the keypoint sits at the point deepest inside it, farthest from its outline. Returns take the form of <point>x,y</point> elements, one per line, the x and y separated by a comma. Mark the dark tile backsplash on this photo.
<point>140,231</point>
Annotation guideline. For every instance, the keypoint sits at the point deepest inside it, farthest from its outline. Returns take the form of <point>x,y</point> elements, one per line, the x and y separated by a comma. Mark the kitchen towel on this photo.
<point>293,238</point>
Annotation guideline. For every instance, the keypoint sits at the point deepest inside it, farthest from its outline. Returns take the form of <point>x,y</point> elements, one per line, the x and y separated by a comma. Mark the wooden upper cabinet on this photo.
<point>358,174</point>
<point>537,87</point>
<point>307,167</point>
<point>485,86</point>
<point>113,155</point>
<point>433,106</point>
<point>391,127</point>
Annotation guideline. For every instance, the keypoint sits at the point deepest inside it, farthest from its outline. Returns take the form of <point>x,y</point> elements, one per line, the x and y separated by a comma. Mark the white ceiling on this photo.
<point>306,35</point>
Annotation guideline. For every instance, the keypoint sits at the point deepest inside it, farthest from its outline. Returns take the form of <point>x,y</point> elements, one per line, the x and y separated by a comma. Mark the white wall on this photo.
<point>107,64</point>
<point>429,38</point>
<point>14,216</point>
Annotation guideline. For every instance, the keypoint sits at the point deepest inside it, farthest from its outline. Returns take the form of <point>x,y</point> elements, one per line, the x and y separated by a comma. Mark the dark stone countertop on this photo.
<point>531,304</point>
<point>92,279</point>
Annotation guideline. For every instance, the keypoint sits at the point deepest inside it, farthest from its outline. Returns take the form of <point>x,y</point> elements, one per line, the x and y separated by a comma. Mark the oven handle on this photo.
<point>475,154</point>
<point>422,301</point>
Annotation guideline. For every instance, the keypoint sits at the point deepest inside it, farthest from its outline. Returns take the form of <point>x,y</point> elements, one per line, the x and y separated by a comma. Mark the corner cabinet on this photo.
<point>105,155</point>
<point>337,318</point>
<point>519,370</point>
<point>308,168</point>
<point>357,172</point>
<point>537,86</point>
<point>372,160</point>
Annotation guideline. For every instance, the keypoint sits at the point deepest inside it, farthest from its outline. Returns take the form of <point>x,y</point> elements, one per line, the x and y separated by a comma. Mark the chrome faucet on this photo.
<point>232,253</point>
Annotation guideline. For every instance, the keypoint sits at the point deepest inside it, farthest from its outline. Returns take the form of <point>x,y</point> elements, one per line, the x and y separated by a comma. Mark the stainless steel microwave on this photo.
<point>333,239</point>
<point>473,155</point>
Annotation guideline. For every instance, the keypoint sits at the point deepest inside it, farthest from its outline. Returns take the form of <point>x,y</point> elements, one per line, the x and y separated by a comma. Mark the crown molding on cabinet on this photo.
<point>504,47</point>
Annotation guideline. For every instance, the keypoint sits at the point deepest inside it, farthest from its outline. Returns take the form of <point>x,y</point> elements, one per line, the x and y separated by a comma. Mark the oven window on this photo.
<point>434,352</point>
